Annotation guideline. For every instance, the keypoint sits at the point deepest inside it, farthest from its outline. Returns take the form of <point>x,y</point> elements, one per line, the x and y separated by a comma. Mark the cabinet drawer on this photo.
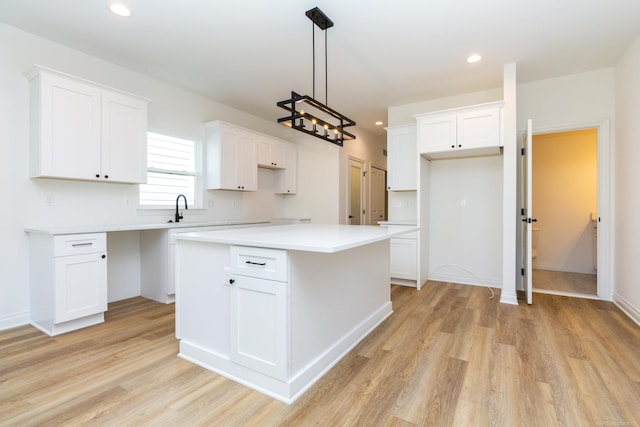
<point>75,244</point>
<point>262,263</point>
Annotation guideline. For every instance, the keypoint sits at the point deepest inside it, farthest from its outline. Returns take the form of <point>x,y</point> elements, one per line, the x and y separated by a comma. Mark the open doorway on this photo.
<point>565,200</point>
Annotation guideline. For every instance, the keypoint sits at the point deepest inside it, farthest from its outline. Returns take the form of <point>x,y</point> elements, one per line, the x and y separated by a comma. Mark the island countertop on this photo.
<point>326,238</point>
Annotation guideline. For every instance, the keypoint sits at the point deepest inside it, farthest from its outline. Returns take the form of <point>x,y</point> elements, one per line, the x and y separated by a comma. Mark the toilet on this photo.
<point>535,232</point>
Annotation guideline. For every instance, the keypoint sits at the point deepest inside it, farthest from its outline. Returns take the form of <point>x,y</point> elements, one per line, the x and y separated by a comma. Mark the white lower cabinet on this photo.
<point>259,325</point>
<point>259,310</point>
<point>403,258</point>
<point>68,281</point>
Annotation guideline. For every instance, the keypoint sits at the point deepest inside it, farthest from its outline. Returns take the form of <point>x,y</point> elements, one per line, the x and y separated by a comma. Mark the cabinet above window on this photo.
<point>463,132</point>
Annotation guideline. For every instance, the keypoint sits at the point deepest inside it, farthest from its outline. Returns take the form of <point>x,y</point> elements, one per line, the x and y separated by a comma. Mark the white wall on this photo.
<point>627,176</point>
<point>172,111</point>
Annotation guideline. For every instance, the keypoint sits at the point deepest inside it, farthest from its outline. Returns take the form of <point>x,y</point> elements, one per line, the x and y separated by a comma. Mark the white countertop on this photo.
<point>326,238</point>
<point>81,229</point>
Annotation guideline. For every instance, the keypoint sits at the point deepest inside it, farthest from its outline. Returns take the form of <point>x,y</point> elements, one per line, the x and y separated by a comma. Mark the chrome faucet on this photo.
<point>178,216</point>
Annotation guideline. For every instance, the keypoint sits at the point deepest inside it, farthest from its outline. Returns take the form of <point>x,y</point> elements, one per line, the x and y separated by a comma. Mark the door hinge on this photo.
<point>364,173</point>
<point>523,212</point>
<point>523,151</point>
<point>362,211</point>
<point>522,273</point>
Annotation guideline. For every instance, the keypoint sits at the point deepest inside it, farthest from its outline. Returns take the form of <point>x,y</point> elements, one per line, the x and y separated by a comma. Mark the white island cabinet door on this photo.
<point>259,314</point>
<point>80,286</point>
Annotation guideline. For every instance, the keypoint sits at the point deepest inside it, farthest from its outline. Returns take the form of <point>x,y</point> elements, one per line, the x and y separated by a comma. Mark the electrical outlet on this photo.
<point>50,200</point>
<point>125,201</point>
<point>463,203</point>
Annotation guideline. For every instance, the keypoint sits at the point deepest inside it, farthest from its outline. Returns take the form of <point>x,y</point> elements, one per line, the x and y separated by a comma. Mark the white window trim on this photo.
<point>197,209</point>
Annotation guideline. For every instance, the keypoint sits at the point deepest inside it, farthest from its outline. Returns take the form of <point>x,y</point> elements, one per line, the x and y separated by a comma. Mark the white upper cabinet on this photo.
<point>81,130</point>
<point>231,157</point>
<point>402,158</point>
<point>124,138</point>
<point>271,153</point>
<point>286,180</point>
<point>463,132</point>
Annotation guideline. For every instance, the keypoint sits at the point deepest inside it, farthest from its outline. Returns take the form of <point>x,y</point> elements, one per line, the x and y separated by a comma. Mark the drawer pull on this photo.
<point>76,245</point>
<point>256,263</point>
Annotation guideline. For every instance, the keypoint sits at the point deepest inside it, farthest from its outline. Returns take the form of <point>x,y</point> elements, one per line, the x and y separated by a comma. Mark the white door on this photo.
<point>355,193</point>
<point>527,214</point>
<point>377,208</point>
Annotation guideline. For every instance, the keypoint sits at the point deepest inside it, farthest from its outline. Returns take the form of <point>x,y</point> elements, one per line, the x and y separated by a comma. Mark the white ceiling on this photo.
<point>249,54</point>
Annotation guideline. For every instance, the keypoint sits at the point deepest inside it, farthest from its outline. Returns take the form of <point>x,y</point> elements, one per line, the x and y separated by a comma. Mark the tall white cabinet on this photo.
<point>86,131</point>
<point>402,184</point>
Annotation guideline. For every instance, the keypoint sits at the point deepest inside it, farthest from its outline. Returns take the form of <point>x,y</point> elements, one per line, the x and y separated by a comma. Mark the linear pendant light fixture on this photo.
<point>308,115</point>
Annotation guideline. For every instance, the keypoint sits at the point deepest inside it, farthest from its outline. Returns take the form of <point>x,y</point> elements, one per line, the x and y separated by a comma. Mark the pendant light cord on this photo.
<point>326,63</point>
<point>313,50</point>
<point>326,71</point>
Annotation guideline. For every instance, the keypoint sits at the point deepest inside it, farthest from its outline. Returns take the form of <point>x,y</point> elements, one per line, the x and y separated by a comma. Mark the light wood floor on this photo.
<point>577,283</point>
<point>447,356</point>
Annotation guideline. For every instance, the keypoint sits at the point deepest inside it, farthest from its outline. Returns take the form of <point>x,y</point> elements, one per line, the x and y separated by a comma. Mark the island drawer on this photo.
<point>263,263</point>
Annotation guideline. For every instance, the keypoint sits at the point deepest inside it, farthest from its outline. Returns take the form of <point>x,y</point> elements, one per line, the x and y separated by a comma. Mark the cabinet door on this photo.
<point>69,129</point>
<point>286,181</point>
<point>477,129</point>
<point>80,286</point>
<point>437,133</point>
<point>402,160</point>
<point>259,317</point>
<point>246,163</point>
<point>271,153</point>
<point>124,138</point>
<point>403,258</point>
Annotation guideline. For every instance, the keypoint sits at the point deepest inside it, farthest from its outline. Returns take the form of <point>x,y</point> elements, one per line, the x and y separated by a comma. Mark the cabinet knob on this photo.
<point>453,146</point>
<point>97,175</point>
<point>104,256</point>
<point>106,177</point>
<point>459,145</point>
<point>232,281</point>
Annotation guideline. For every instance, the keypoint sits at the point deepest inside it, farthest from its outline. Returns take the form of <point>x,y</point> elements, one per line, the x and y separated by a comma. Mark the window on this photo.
<point>171,170</point>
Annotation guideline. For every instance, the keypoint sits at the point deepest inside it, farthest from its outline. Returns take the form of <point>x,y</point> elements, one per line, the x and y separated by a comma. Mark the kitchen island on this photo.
<point>274,308</point>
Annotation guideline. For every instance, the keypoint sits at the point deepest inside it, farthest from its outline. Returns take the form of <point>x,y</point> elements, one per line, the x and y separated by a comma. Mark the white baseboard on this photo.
<point>627,308</point>
<point>15,320</point>
<point>564,268</point>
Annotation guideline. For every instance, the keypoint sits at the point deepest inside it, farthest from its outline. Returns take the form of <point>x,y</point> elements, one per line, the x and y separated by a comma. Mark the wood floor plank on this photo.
<point>449,355</point>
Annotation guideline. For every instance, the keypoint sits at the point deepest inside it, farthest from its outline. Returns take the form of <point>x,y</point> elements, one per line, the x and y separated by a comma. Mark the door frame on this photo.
<point>364,217</point>
<point>371,190</point>
<point>605,235</point>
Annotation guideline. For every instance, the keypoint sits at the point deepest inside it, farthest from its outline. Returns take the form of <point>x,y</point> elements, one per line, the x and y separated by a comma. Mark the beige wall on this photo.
<point>565,181</point>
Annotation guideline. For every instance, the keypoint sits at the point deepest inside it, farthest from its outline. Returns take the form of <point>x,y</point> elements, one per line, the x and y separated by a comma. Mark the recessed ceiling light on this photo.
<point>379,123</point>
<point>474,58</point>
<point>120,9</point>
